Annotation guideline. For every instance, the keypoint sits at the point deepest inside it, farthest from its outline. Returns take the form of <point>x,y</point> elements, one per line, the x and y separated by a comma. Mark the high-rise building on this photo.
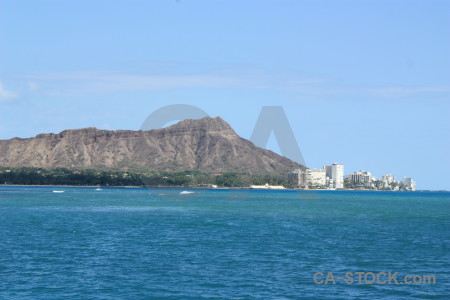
<point>388,178</point>
<point>327,171</point>
<point>361,177</point>
<point>409,184</point>
<point>387,181</point>
<point>335,173</point>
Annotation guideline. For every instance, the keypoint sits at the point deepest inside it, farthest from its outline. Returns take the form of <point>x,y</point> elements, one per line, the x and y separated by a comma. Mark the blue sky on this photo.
<point>363,83</point>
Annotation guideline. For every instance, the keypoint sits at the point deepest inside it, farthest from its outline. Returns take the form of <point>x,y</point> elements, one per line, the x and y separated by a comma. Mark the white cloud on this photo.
<point>330,89</point>
<point>6,95</point>
<point>74,83</point>
<point>403,91</point>
<point>89,82</point>
<point>104,82</point>
<point>33,86</point>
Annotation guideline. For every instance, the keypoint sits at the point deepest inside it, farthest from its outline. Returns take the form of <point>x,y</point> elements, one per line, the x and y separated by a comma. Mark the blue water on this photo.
<point>218,244</point>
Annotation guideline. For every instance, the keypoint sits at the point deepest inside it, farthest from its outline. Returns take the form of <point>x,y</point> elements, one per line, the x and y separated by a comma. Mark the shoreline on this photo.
<point>69,186</point>
<point>205,188</point>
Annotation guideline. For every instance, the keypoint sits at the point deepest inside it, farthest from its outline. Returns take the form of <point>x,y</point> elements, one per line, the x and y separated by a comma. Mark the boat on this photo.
<point>186,192</point>
<point>58,191</point>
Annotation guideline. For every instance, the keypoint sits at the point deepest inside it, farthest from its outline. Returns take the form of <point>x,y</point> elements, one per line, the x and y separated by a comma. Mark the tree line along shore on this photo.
<point>96,177</point>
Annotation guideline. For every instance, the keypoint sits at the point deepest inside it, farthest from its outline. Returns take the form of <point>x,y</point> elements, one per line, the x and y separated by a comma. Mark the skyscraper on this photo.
<point>336,173</point>
<point>409,184</point>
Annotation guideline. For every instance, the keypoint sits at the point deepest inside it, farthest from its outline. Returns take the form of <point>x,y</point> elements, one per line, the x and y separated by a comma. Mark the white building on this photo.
<point>387,181</point>
<point>409,184</point>
<point>316,177</point>
<point>388,178</point>
<point>335,173</point>
<point>361,177</point>
<point>329,183</point>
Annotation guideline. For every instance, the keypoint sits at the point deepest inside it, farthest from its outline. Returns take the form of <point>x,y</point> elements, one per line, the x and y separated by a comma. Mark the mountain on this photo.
<point>207,144</point>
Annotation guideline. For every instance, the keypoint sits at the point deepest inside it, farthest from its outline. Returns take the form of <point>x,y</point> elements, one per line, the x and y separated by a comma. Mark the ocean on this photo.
<point>222,244</point>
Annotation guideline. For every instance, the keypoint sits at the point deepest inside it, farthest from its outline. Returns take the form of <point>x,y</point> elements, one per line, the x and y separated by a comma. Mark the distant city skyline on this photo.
<point>363,83</point>
<point>333,177</point>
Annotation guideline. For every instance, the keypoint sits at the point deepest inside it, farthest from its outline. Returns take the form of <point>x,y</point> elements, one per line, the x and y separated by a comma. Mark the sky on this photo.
<point>363,83</point>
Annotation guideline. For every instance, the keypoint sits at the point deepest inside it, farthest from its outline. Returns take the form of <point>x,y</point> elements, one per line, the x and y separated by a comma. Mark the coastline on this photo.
<point>206,188</point>
<point>69,186</point>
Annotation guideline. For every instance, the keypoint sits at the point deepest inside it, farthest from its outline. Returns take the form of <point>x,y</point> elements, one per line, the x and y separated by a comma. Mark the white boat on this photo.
<point>98,189</point>
<point>58,191</point>
<point>185,192</point>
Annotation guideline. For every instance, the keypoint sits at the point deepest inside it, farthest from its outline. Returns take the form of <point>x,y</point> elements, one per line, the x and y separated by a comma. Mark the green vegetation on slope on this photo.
<point>91,177</point>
